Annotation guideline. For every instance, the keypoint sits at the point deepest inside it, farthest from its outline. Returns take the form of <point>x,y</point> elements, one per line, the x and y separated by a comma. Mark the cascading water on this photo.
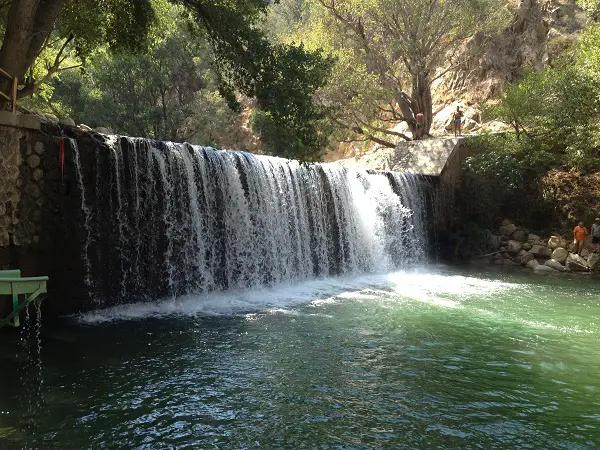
<point>174,219</point>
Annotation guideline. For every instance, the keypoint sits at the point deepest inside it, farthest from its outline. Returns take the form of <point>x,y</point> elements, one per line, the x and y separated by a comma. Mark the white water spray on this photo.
<point>182,219</point>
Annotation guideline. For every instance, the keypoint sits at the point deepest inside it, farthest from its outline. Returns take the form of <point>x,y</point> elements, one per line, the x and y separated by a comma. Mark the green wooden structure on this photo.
<point>22,290</point>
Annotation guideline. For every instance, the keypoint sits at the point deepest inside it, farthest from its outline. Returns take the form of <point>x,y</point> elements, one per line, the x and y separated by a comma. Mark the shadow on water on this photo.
<point>440,359</point>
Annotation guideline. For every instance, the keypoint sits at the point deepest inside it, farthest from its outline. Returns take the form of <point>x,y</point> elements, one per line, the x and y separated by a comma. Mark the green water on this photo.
<point>436,359</point>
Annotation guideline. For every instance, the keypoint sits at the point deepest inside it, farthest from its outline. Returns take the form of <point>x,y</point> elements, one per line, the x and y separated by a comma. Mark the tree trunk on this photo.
<point>421,96</point>
<point>28,25</point>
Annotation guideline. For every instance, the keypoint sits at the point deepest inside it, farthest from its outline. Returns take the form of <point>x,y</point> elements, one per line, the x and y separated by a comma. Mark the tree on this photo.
<point>168,92</point>
<point>280,77</point>
<point>32,27</point>
<point>390,53</point>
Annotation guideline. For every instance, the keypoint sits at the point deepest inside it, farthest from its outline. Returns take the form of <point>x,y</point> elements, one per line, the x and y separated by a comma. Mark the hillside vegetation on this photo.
<point>316,79</point>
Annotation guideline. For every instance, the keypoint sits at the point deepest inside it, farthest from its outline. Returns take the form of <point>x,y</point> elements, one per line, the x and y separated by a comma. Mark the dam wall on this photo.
<point>115,220</point>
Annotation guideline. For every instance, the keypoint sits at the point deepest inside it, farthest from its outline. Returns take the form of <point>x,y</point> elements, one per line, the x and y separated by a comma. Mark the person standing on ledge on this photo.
<point>420,125</point>
<point>457,121</point>
<point>596,234</point>
<point>581,233</point>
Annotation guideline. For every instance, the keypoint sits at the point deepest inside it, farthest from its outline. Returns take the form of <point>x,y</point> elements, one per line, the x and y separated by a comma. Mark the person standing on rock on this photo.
<point>596,234</point>
<point>420,125</point>
<point>457,121</point>
<point>580,233</point>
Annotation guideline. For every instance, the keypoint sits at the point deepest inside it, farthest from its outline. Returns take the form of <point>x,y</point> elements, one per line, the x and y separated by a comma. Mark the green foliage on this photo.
<point>162,93</point>
<point>388,53</point>
<point>282,78</point>
<point>555,111</point>
<point>491,181</point>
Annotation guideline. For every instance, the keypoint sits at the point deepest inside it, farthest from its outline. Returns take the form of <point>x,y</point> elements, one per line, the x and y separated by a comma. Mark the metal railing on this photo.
<point>12,98</point>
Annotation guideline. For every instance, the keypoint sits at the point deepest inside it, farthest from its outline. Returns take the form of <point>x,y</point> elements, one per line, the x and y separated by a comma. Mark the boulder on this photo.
<point>594,261</point>
<point>519,235</point>
<point>509,229</point>
<point>555,265</point>
<point>103,130</point>
<point>533,237</point>
<point>584,253</point>
<point>560,255</point>
<point>576,263</point>
<point>522,252</point>
<point>533,264</point>
<point>556,241</point>
<point>67,121</point>
<point>540,251</point>
<point>544,252</point>
<point>542,269</point>
<point>526,258</point>
<point>527,246</point>
<point>84,127</point>
<point>513,247</point>
<point>505,222</point>
<point>494,241</point>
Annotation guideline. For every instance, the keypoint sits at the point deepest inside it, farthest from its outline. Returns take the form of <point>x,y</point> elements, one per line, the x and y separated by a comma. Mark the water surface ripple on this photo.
<point>424,359</point>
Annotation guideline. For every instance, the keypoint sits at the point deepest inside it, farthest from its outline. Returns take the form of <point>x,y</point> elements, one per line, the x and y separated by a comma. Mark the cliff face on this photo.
<point>539,32</point>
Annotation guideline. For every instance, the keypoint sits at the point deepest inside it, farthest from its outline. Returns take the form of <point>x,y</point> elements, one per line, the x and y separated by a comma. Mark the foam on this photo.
<point>419,285</point>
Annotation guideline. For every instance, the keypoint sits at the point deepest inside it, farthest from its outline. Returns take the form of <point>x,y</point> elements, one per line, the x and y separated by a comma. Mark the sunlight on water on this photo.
<point>435,288</point>
<point>429,358</point>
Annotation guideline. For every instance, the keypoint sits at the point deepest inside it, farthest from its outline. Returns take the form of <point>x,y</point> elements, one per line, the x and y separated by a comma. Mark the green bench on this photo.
<point>22,290</point>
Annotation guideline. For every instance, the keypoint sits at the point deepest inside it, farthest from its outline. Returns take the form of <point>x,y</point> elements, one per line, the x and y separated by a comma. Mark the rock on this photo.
<point>560,255</point>
<point>502,249</point>
<point>503,239</point>
<point>505,222</point>
<point>526,258</point>
<point>594,261</point>
<point>508,262</point>
<point>67,121</point>
<point>513,247</point>
<point>533,264</point>
<point>33,161</point>
<point>544,252</point>
<point>39,148</point>
<point>556,241</point>
<point>527,246</point>
<point>494,241</point>
<point>33,191</point>
<point>519,235</point>
<point>103,130</point>
<point>576,263</point>
<point>84,127</point>
<point>555,265</point>
<point>533,237</point>
<point>507,230</point>
<point>499,262</point>
<point>540,251</point>
<point>542,269</point>
<point>522,252</point>
<point>584,253</point>
<point>38,174</point>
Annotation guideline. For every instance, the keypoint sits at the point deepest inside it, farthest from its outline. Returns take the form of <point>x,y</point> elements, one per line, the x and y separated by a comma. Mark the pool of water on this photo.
<point>432,358</point>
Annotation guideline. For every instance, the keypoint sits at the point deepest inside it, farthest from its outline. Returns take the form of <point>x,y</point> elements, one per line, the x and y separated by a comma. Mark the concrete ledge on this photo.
<point>428,157</point>
<point>28,121</point>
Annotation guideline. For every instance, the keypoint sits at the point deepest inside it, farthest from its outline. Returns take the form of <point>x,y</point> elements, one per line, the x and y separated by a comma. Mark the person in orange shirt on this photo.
<point>580,234</point>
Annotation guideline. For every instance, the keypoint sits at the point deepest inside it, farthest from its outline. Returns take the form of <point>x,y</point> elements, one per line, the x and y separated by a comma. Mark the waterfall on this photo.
<point>171,219</point>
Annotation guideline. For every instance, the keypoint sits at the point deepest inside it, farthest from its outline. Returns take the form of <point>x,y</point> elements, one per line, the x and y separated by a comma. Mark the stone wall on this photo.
<point>39,213</point>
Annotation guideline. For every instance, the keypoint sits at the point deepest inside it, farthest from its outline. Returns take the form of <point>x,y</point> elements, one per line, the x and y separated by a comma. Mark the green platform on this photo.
<point>22,290</point>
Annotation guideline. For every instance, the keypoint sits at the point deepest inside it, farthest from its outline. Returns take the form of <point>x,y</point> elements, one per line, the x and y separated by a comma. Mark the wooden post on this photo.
<point>14,94</point>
